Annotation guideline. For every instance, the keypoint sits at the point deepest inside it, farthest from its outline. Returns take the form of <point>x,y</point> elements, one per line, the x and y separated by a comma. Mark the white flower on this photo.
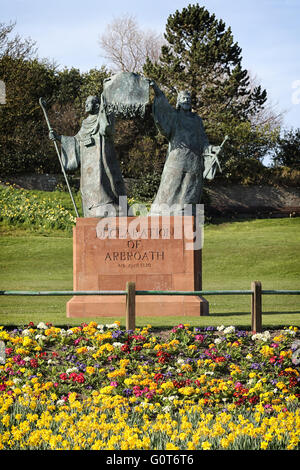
<point>72,369</point>
<point>220,328</point>
<point>289,332</point>
<point>100,327</point>
<point>42,337</point>
<point>229,329</point>
<point>218,341</point>
<point>60,402</point>
<point>261,336</point>
<point>25,332</point>
<point>27,358</point>
<point>117,345</point>
<point>42,326</point>
<point>180,361</point>
<point>112,325</point>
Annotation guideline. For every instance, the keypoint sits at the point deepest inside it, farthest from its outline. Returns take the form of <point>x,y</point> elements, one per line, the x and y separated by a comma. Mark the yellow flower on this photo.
<point>81,350</point>
<point>5,420</point>
<point>187,391</point>
<point>206,445</point>
<point>267,351</point>
<point>187,367</point>
<point>106,390</point>
<point>167,385</point>
<point>224,442</point>
<point>72,397</point>
<point>170,446</point>
<point>27,341</point>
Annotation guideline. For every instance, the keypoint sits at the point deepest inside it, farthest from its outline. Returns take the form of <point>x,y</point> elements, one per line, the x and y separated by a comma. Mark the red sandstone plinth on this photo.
<point>153,252</point>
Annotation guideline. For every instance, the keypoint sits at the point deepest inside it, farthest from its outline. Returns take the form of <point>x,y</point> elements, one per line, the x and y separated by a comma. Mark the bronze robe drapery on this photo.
<point>101,181</point>
<point>182,177</point>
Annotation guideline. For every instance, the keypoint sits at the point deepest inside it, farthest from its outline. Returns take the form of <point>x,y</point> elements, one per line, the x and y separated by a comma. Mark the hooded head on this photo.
<point>92,105</point>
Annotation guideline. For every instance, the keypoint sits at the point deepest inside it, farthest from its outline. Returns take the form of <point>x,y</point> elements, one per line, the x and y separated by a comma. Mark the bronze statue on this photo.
<point>101,181</point>
<point>189,156</point>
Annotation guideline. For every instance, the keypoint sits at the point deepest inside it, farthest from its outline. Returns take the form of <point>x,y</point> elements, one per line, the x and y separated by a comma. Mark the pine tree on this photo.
<point>200,55</point>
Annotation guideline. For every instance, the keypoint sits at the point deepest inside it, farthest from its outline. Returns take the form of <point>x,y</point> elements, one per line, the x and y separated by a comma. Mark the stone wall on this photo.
<point>229,200</point>
<point>43,182</point>
<point>252,200</point>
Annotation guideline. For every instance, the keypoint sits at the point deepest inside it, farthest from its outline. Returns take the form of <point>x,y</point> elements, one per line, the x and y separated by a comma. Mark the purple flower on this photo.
<point>255,365</point>
<point>241,333</point>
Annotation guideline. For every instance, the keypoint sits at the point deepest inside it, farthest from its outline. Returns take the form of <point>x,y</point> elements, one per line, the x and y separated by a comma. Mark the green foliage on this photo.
<point>145,189</point>
<point>140,148</point>
<point>35,209</point>
<point>287,151</point>
<point>24,143</point>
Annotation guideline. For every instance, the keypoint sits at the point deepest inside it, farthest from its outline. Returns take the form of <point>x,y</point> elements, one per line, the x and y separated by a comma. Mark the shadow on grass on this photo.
<point>287,312</point>
<point>275,312</point>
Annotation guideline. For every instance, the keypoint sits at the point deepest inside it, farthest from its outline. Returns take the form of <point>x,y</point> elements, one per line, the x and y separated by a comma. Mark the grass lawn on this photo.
<point>234,254</point>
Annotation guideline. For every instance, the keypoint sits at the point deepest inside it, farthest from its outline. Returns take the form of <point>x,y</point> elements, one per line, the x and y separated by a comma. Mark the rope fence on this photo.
<point>256,293</point>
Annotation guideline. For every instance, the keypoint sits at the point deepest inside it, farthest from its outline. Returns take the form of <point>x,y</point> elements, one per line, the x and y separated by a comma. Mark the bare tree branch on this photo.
<point>127,47</point>
<point>15,47</point>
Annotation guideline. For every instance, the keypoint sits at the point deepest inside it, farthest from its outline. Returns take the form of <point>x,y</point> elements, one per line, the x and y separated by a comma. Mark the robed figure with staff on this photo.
<point>101,181</point>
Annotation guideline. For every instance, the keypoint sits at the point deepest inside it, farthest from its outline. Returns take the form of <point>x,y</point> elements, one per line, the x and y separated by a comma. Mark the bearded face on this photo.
<point>184,101</point>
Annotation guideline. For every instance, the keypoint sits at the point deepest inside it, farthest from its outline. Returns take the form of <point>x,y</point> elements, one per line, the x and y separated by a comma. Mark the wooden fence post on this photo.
<point>256,307</point>
<point>130,306</point>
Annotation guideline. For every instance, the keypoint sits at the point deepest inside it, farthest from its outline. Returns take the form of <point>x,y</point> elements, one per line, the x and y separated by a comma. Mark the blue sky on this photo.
<point>268,31</point>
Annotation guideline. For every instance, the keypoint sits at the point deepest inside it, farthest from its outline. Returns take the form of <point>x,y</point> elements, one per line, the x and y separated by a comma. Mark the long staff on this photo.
<point>43,106</point>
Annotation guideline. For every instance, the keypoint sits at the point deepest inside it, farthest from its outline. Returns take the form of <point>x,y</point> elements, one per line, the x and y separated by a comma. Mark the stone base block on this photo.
<point>146,305</point>
<point>154,254</point>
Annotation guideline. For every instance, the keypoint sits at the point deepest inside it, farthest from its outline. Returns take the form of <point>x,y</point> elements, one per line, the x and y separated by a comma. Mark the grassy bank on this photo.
<point>234,254</point>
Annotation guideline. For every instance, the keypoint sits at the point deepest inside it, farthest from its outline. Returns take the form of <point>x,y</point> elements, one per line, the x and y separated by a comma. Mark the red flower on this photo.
<point>77,377</point>
<point>63,376</point>
<point>254,399</point>
<point>33,363</point>
<point>220,359</point>
<point>158,377</point>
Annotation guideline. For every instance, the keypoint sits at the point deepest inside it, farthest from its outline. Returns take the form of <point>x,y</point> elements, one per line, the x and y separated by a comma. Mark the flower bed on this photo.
<point>101,387</point>
<point>34,209</point>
